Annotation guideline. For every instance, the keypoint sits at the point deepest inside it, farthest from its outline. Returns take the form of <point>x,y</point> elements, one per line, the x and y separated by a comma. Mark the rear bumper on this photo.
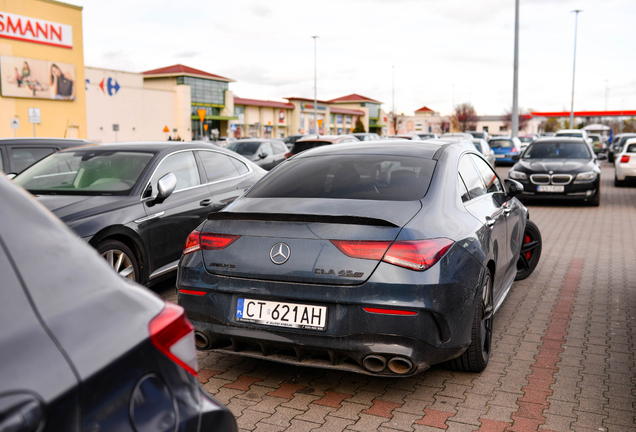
<point>622,172</point>
<point>443,298</point>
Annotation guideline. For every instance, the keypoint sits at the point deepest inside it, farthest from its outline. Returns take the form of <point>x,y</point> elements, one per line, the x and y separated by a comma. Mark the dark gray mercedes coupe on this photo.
<point>381,258</point>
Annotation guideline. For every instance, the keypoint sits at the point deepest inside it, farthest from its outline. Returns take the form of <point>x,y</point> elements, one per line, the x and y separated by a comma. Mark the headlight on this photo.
<point>586,176</point>
<point>517,175</point>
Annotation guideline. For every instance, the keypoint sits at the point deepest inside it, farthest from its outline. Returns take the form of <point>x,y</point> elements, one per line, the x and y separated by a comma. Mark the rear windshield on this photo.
<point>631,148</point>
<point>550,150</point>
<point>570,134</point>
<point>244,148</point>
<point>362,177</point>
<point>500,143</point>
<point>306,145</point>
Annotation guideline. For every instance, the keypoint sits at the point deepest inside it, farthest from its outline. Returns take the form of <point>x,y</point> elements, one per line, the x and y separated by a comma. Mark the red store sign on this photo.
<point>35,30</point>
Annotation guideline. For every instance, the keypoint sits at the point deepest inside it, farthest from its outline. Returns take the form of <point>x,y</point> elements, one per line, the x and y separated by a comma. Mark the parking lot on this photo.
<point>564,349</point>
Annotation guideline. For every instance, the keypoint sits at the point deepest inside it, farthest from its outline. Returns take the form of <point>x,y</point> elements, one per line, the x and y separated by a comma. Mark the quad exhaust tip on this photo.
<point>201,340</point>
<point>400,365</point>
<point>374,363</point>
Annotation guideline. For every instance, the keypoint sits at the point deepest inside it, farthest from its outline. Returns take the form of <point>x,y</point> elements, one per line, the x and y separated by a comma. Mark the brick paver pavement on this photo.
<point>564,350</point>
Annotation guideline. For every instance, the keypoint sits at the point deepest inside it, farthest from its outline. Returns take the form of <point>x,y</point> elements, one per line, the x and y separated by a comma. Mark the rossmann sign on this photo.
<point>18,27</point>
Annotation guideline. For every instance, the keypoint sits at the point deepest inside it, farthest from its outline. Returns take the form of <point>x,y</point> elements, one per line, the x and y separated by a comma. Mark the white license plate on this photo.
<point>279,314</point>
<point>550,188</point>
<point>500,156</point>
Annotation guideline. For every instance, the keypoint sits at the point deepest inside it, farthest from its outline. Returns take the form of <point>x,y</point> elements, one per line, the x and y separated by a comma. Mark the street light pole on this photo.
<point>576,23</point>
<point>515,79</point>
<point>315,88</point>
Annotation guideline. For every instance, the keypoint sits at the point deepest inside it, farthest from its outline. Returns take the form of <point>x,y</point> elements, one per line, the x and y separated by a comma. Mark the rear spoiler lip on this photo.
<point>303,218</point>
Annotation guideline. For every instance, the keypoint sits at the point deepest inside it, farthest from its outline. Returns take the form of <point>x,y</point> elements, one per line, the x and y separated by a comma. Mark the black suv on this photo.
<point>16,154</point>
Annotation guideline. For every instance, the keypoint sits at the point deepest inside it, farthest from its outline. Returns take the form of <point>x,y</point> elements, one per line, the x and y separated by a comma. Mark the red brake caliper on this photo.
<point>527,240</point>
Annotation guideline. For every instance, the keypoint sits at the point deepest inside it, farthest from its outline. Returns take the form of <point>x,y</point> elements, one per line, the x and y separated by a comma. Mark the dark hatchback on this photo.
<point>559,168</point>
<point>265,153</point>
<point>81,349</point>
<point>380,258</point>
<point>136,203</point>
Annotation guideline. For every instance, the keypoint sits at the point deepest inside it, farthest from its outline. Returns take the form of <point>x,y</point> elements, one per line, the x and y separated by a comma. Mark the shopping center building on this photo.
<point>41,69</point>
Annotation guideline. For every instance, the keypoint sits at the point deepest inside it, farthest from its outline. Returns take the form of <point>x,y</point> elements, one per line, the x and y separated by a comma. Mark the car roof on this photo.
<point>147,145</point>
<point>324,138</point>
<point>421,149</point>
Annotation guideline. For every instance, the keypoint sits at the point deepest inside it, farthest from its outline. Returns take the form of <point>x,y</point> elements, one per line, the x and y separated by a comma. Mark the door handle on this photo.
<point>205,202</point>
<point>506,211</point>
<point>490,222</point>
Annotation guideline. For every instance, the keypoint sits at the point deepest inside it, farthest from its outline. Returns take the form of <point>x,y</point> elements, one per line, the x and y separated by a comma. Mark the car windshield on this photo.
<point>86,172</point>
<point>359,177</point>
<point>525,139</point>
<point>244,148</point>
<point>499,143</point>
<point>552,150</point>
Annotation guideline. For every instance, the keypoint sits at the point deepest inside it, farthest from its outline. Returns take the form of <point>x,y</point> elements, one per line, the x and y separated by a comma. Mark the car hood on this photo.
<point>73,207</point>
<point>555,165</point>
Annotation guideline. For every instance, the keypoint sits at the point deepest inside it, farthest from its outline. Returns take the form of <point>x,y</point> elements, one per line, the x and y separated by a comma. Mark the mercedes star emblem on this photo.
<point>280,253</point>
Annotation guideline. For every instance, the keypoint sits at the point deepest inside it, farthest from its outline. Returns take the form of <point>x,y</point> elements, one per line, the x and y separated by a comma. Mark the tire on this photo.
<point>120,258</point>
<point>617,182</point>
<point>530,251</point>
<point>476,356</point>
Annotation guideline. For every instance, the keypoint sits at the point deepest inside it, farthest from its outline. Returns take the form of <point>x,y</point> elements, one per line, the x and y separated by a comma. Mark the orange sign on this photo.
<point>201,113</point>
<point>165,129</point>
<point>205,127</point>
<point>319,122</point>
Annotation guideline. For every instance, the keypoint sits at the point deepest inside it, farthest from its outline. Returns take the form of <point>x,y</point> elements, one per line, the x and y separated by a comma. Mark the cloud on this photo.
<point>261,10</point>
<point>187,54</point>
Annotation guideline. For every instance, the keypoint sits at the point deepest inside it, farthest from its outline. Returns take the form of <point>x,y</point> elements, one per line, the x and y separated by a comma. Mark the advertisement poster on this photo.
<point>38,79</point>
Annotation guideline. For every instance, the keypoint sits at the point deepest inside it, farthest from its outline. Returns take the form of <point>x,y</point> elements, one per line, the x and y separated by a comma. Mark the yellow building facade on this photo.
<point>41,69</point>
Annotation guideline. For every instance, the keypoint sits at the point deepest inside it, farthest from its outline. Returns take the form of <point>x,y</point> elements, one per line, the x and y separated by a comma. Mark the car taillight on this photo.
<point>514,150</point>
<point>624,159</point>
<point>415,255</point>
<point>373,250</point>
<point>208,241</point>
<point>288,155</point>
<point>419,254</point>
<point>173,335</point>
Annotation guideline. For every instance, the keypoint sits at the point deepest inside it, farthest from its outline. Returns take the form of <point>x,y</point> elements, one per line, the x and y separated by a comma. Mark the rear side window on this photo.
<point>463,192</point>
<point>183,166</point>
<point>363,177</point>
<point>217,166</point>
<point>472,178</point>
<point>279,147</point>
<point>1,165</point>
<point>630,149</point>
<point>23,157</point>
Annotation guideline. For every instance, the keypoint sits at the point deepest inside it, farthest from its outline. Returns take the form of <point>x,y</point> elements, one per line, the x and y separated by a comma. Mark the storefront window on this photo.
<point>209,111</point>
<point>374,110</point>
<point>204,90</point>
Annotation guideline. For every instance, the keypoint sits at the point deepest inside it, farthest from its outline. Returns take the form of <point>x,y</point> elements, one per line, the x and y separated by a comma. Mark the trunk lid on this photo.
<point>302,230</point>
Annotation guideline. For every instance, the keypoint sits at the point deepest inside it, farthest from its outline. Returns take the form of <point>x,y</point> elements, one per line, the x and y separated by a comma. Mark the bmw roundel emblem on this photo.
<point>280,253</point>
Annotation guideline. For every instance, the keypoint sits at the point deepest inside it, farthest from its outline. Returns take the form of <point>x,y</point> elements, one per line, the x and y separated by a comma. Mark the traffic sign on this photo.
<point>201,113</point>
<point>233,127</point>
<point>34,115</point>
<point>165,129</point>
<point>205,127</point>
<point>15,123</point>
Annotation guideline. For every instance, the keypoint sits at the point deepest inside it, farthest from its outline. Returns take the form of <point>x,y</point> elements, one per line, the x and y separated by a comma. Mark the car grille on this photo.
<point>555,179</point>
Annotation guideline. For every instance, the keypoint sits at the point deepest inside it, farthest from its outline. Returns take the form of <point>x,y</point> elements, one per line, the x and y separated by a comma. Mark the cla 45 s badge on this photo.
<point>341,273</point>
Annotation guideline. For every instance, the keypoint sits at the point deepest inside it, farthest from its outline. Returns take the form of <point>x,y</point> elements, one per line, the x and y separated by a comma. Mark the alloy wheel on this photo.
<point>120,262</point>
<point>527,249</point>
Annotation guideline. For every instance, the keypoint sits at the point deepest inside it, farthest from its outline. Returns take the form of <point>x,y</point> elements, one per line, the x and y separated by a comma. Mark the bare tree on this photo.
<point>524,119</point>
<point>464,117</point>
<point>396,121</point>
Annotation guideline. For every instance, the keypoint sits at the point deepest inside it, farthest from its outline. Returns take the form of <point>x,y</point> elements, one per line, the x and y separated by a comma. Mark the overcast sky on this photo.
<point>442,50</point>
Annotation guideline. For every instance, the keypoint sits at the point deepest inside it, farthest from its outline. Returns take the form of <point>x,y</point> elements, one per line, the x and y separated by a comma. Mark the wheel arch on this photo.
<point>131,239</point>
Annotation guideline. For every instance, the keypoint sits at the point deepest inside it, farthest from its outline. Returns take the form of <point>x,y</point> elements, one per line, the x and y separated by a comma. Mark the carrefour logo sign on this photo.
<point>35,30</point>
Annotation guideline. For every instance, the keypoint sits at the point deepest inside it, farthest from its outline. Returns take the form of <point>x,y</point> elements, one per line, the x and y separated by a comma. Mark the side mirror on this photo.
<point>515,157</point>
<point>514,188</point>
<point>11,176</point>
<point>262,156</point>
<point>165,186</point>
